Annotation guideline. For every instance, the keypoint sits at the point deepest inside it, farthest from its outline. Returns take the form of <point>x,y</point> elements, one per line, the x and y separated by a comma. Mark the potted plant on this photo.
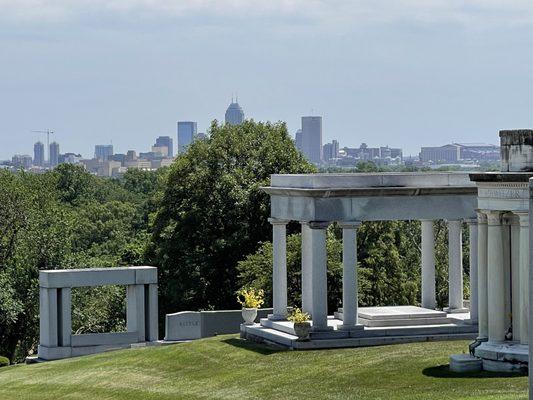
<point>250,299</point>
<point>302,326</point>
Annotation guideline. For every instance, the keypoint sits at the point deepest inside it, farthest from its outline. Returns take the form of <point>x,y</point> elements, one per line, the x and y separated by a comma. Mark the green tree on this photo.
<point>213,212</point>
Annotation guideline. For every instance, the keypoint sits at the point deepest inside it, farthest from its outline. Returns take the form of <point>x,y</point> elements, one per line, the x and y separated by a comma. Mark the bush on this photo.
<point>4,361</point>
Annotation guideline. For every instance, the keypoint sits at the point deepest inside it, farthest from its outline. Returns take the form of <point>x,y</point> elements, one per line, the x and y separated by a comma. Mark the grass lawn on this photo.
<point>226,367</point>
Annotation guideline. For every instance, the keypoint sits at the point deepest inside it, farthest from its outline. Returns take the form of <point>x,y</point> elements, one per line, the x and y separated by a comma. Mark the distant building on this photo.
<point>330,151</point>
<point>131,155</point>
<point>22,161</point>
<point>460,152</point>
<point>312,138</point>
<point>161,150</point>
<point>103,152</point>
<point>383,155</point>
<point>299,140</point>
<point>186,134</point>
<point>479,151</point>
<point>54,154</point>
<point>69,158</point>
<point>118,157</point>
<point>201,136</point>
<point>38,154</point>
<point>234,114</point>
<point>165,141</point>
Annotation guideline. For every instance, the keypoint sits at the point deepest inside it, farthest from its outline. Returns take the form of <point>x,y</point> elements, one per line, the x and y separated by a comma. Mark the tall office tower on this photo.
<point>102,152</point>
<point>186,134</point>
<point>331,150</point>
<point>312,139</point>
<point>38,154</point>
<point>234,114</point>
<point>299,140</point>
<point>54,154</point>
<point>165,141</point>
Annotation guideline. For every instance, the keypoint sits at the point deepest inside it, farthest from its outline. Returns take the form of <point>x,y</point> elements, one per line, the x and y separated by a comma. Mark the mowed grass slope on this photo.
<point>226,367</point>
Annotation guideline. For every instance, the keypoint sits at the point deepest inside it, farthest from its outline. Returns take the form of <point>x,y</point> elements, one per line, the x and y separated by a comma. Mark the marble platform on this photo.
<point>399,316</point>
<point>426,325</point>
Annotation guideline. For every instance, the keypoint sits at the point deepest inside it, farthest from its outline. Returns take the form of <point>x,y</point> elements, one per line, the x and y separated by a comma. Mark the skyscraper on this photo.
<point>299,140</point>
<point>102,152</point>
<point>330,150</point>
<point>312,138</point>
<point>54,154</point>
<point>234,114</point>
<point>38,154</point>
<point>165,141</point>
<point>186,134</point>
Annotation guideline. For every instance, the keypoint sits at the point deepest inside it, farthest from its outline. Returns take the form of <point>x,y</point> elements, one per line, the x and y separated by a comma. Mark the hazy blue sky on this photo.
<point>405,73</point>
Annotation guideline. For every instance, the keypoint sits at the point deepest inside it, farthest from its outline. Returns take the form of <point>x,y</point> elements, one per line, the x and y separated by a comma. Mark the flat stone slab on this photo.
<point>399,312</point>
<point>465,363</point>
<point>506,351</point>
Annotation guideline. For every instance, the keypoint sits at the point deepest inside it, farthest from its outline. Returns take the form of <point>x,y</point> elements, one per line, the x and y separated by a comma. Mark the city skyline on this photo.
<point>410,75</point>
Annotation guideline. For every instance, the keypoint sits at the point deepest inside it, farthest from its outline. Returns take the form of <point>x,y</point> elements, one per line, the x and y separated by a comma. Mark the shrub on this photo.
<point>250,298</point>
<point>298,316</point>
<point>4,361</point>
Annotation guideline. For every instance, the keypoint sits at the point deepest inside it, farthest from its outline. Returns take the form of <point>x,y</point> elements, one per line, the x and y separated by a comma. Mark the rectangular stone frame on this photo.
<point>56,338</point>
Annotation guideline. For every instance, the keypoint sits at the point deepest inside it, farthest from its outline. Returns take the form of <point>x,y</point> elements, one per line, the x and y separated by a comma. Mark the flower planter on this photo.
<point>302,329</point>
<point>249,314</point>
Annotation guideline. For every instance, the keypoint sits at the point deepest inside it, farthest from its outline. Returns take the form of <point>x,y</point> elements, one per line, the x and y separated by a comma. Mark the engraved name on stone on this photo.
<point>502,193</point>
<point>189,323</point>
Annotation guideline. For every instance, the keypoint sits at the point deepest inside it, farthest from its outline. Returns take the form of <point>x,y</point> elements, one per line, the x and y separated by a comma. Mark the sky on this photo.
<point>403,73</point>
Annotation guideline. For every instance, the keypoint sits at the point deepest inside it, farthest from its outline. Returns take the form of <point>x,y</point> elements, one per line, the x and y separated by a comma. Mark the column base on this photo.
<point>351,328</point>
<point>456,310</point>
<point>277,317</point>
<point>321,328</point>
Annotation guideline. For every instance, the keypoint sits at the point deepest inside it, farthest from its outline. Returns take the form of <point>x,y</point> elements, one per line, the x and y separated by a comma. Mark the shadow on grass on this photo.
<point>443,371</point>
<point>255,347</point>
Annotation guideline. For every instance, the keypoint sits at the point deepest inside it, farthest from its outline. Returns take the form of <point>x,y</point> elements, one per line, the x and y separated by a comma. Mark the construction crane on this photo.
<point>48,133</point>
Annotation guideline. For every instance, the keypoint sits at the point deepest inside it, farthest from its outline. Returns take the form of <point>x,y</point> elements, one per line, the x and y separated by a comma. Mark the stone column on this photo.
<point>473,231</point>
<point>428,264</point>
<point>48,320</point>
<point>482,276</point>
<point>495,278</point>
<point>307,297</point>
<point>349,275</point>
<point>455,267</point>
<point>319,276</point>
<point>135,315</point>
<point>530,288</point>
<point>524,277</point>
<point>279,269</point>
<point>514,277</point>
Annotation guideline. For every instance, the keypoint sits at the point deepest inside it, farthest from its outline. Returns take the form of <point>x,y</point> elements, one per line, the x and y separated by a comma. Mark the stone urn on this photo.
<point>302,329</point>
<point>249,314</point>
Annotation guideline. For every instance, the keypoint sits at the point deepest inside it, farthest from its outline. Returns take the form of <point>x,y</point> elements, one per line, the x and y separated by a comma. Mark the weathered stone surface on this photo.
<point>465,363</point>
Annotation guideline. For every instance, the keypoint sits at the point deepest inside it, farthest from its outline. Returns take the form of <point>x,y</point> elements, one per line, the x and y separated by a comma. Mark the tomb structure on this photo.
<point>504,257</point>
<point>315,201</point>
<point>55,290</point>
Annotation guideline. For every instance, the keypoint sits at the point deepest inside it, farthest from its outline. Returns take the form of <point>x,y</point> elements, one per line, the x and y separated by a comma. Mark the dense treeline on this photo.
<point>203,222</point>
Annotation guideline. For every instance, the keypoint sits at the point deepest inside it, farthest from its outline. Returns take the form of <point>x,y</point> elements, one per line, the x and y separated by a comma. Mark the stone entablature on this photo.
<point>372,197</point>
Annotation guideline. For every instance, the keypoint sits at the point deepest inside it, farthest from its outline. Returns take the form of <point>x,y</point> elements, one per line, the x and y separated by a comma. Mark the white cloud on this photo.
<point>323,12</point>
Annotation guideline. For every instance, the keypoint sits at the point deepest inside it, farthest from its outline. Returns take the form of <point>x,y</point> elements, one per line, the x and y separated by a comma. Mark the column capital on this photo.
<point>481,216</point>
<point>349,224</point>
<point>318,224</point>
<point>523,216</point>
<point>471,221</point>
<point>454,221</point>
<point>494,217</point>
<point>276,221</point>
